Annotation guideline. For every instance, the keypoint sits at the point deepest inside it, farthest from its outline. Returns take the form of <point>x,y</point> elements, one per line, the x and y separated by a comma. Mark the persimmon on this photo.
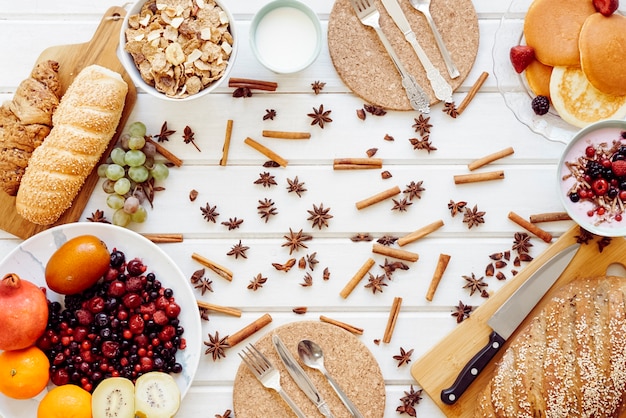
<point>24,373</point>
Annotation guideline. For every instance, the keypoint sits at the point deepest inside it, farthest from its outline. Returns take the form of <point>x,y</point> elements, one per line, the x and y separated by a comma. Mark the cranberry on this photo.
<point>172,310</point>
<point>136,324</point>
<point>167,333</point>
<point>600,186</point>
<point>60,377</point>
<point>590,151</point>
<point>132,300</point>
<point>135,267</point>
<point>117,288</point>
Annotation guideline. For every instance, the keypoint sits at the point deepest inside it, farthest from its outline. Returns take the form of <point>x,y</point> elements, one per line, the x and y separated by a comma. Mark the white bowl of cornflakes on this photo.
<point>178,49</point>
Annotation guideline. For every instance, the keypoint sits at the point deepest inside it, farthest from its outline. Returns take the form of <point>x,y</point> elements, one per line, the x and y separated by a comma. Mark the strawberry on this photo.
<point>606,7</point>
<point>521,56</point>
<point>619,168</point>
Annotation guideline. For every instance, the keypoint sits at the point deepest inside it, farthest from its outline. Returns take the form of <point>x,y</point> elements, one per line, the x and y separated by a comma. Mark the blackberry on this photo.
<point>541,105</point>
<point>594,169</point>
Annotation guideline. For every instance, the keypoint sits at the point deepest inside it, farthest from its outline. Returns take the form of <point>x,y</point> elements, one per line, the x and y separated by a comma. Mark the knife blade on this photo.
<point>508,317</point>
<point>300,377</point>
<point>442,89</point>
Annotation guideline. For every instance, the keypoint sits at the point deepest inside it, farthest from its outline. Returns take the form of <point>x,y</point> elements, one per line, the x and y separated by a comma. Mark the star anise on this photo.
<point>319,216</point>
<point>197,276</point>
<point>165,133</point>
<point>414,190</point>
<point>390,267</point>
<point>271,164</point>
<point>242,92</point>
<point>462,311</point>
<point>311,260</point>
<point>226,414</point>
<point>266,179</point>
<point>456,207</point>
<point>266,209</point>
<point>193,194</point>
<point>285,267</point>
<point>317,86</point>
<point>473,217</point>
<point>204,285</point>
<point>401,205</point>
<point>295,240</point>
<point>450,109</point>
<point>295,186</point>
<point>188,136</point>
<point>204,313</point>
<point>376,283</point>
<point>209,213</point>
<point>326,274</point>
<point>474,284</point>
<point>269,114</point>
<point>320,116</point>
<point>422,125</point>
<point>387,240</point>
<point>217,346</point>
<point>412,397</point>
<point>98,216</point>
<point>361,237</point>
<point>422,144</point>
<point>238,250</point>
<point>404,357</point>
<point>603,242</point>
<point>233,223</point>
<point>583,236</point>
<point>257,282</point>
<point>374,110</point>
<point>307,280</point>
<point>521,242</point>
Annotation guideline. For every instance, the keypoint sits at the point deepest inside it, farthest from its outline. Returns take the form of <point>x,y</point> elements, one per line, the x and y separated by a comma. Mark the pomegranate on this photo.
<point>23,312</point>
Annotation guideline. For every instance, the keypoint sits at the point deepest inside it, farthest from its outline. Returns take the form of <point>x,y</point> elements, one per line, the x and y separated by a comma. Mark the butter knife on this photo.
<point>442,89</point>
<point>300,377</point>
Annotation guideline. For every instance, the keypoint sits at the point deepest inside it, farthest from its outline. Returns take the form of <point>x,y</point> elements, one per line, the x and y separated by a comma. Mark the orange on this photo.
<point>23,373</point>
<point>77,265</point>
<point>67,401</point>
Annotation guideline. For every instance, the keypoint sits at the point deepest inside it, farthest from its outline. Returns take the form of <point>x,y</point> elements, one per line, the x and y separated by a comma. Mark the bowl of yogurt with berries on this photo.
<point>592,178</point>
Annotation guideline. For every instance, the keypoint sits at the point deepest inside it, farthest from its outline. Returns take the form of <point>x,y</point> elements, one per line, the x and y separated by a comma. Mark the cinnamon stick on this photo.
<point>349,287</point>
<point>220,270</point>
<point>164,238</point>
<point>221,309</point>
<point>394,252</point>
<point>347,327</point>
<point>393,318</point>
<point>476,177</point>
<point>252,84</point>
<point>357,163</point>
<point>165,153</point>
<point>266,151</point>
<point>226,146</point>
<point>549,217</point>
<point>530,227</point>
<point>420,233</point>
<point>378,197</point>
<point>442,264</point>
<point>490,158</point>
<point>286,135</point>
<point>248,330</point>
<point>472,92</point>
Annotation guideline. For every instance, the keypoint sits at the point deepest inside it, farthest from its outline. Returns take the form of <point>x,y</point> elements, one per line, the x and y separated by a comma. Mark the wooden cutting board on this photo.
<point>438,368</point>
<point>101,50</point>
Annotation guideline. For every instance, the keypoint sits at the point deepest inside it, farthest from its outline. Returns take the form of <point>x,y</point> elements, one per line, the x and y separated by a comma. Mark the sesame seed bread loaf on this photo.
<point>570,361</point>
<point>83,124</point>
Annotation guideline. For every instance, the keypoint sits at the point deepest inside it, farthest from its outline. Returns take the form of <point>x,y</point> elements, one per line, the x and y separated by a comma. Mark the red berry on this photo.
<point>619,168</point>
<point>172,310</point>
<point>590,151</point>
<point>618,217</point>
<point>600,187</point>
<point>606,7</point>
<point>521,56</point>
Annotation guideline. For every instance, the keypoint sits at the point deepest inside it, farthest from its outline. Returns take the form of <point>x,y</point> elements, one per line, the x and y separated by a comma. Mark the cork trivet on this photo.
<point>365,67</point>
<point>346,358</point>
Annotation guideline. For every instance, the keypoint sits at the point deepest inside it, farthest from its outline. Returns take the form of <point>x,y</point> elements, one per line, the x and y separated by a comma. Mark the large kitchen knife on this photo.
<point>508,317</point>
<point>441,88</point>
<point>300,377</point>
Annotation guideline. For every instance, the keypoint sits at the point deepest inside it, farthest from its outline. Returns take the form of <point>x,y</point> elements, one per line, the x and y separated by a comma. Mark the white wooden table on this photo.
<point>27,27</point>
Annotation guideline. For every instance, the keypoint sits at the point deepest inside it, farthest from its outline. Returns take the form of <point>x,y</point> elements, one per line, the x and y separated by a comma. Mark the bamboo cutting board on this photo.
<point>101,50</point>
<point>439,368</point>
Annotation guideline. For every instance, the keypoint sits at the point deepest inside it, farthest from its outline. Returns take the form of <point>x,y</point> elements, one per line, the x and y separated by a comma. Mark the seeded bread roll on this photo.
<point>570,361</point>
<point>84,123</point>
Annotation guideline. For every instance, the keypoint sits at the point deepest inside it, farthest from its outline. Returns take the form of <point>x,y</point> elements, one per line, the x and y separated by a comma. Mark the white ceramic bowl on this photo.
<point>129,65</point>
<point>600,132</point>
<point>29,260</point>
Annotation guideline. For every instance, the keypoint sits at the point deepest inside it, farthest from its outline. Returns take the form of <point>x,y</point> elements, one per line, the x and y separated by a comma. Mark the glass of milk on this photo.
<point>286,36</point>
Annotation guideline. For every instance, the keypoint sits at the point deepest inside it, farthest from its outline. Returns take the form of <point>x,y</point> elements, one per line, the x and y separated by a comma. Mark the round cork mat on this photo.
<point>346,358</point>
<point>365,67</point>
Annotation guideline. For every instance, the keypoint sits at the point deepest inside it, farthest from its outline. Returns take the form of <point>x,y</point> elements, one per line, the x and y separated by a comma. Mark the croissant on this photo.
<point>84,123</point>
<point>25,121</point>
<point>570,361</point>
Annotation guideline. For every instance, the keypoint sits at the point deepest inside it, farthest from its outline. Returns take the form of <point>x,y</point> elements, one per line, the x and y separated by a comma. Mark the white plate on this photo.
<point>29,259</point>
<point>513,87</point>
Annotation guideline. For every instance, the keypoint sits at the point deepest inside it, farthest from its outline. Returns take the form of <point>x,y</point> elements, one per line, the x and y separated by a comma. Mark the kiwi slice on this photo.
<point>114,397</point>
<point>156,395</point>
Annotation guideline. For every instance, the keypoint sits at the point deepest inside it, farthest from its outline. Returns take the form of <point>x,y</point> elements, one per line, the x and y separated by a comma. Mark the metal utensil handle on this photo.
<point>417,96</point>
<point>291,404</point>
<point>325,410</point>
<point>344,398</point>
<point>443,90</point>
<point>450,65</point>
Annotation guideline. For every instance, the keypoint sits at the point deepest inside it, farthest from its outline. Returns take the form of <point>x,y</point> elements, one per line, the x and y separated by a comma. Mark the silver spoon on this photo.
<point>311,354</point>
<point>423,6</point>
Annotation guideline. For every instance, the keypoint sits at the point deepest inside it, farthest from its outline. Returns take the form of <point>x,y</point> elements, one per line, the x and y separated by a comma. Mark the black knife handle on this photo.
<point>472,369</point>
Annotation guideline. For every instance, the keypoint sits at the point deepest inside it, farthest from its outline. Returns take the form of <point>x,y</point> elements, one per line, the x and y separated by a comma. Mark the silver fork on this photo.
<point>267,374</point>
<point>368,14</point>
